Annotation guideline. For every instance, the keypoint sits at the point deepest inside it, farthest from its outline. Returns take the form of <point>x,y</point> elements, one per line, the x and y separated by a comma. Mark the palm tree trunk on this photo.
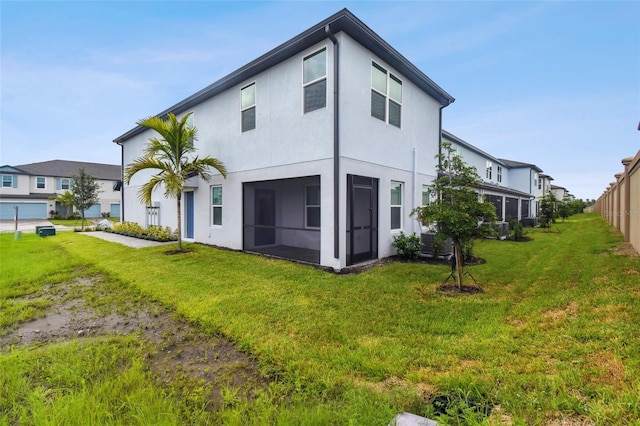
<point>179,228</point>
<point>457,246</point>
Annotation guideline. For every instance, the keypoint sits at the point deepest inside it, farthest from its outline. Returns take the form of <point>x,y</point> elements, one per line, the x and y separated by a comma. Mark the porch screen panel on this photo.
<point>496,200</point>
<point>525,208</point>
<point>511,208</point>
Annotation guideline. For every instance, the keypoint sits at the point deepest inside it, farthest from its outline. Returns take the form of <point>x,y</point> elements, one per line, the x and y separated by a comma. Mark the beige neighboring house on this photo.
<point>560,192</point>
<point>31,186</point>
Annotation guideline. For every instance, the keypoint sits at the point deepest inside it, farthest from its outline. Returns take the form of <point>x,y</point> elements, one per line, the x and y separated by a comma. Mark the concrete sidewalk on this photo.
<point>26,226</point>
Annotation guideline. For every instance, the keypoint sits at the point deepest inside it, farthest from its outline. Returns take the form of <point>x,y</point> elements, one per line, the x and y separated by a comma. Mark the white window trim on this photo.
<point>62,181</point>
<point>309,83</point>
<point>306,205</point>
<point>392,206</point>
<point>215,225</point>
<point>489,170</point>
<point>499,173</point>
<point>387,96</point>
<point>425,190</point>
<point>11,183</point>
<point>44,180</point>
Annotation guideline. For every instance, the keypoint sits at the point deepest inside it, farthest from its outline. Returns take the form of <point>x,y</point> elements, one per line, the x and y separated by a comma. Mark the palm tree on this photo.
<point>65,199</point>
<point>172,156</point>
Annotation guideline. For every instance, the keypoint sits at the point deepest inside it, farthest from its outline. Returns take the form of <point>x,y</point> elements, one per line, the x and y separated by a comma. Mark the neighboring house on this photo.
<point>328,141</point>
<point>30,187</point>
<point>560,192</point>
<point>527,178</point>
<point>506,184</point>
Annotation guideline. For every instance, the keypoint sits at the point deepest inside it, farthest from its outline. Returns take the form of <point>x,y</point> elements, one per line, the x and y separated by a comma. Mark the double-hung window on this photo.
<point>65,184</point>
<point>314,80</point>
<point>8,181</point>
<point>396,205</point>
<point>386,96</point>
<point>489,172</point>
<point>248,107</point>
<point>312,206</point>
<point>216,205</point>
<point>499,174</point>
<point>41,183</point>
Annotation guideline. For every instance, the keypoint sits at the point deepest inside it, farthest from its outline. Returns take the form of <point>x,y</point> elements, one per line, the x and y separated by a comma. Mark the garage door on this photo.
<point>25,210</point>
<point>93,211</point>
<point>115,210</point>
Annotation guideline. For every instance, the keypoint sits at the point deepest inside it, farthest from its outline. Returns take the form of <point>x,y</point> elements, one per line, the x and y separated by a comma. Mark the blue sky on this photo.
<point>556,84</point>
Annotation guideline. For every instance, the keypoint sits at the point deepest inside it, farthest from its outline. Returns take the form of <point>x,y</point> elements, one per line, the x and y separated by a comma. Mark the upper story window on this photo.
<point>396,205</point>
<point>314,80</point>
<point>41,182</point>
<point>489,172</point>
<point>386,96</point>
<point>499,174</point>
<point>539,183</point>
<point>9,181</point>
<point>248,107</point>
<point>216,205</point>
<point>312,206</point>
<point>63,183</point>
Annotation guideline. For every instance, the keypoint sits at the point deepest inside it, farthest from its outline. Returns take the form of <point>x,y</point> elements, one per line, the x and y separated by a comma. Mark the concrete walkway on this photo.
<point>124,240</point>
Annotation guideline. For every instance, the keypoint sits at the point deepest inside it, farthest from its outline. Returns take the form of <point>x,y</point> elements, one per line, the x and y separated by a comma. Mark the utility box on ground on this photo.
<point>45,231</point>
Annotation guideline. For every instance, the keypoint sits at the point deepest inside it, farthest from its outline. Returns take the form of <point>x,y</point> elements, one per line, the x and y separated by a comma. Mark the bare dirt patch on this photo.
<point>178,352</point>
<point>626,249</point>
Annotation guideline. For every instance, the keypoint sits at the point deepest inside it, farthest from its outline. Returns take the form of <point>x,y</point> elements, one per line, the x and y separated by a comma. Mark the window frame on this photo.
<point>389,99</point>
<point>489,170</point>
<point>10,181</point>
<point>62,184</point>
<point>216,206</point>
<point>425,192</point>
<point>396,206</point>
<point>44,182</point>
<point>499,173</point>
<point>244,109</point>
<point>317,80</point>
<point>307,206</point>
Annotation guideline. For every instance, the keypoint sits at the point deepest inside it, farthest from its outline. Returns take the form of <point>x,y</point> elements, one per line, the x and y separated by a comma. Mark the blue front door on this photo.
<point>188,214</point>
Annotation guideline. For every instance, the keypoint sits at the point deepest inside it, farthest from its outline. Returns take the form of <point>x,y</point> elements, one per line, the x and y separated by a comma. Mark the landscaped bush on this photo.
<point>153,232</point>
<point>516,230</point>
<point>407,247</point>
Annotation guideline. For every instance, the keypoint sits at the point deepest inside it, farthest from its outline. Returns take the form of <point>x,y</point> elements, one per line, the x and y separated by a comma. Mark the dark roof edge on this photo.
<point>518,164</point>
<point>466,144</point>
<point>505,190</point>
<point>343,20</point>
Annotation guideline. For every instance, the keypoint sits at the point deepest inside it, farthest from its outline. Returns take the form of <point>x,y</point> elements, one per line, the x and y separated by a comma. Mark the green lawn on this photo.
<point>554,337</point>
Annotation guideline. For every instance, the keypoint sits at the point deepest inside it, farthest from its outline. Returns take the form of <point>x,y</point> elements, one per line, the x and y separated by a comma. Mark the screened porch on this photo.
<point>281,218</point>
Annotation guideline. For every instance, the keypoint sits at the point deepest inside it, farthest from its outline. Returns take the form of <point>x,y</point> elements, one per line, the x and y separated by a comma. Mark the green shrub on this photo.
<point>516,230</point>
<point>153,232</point>
<point>407,247</point>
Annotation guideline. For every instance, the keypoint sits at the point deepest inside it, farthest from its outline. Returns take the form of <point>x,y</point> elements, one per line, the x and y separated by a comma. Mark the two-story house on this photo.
<point>30,187</point>
<point>328,140</point>
<point>508,185</point>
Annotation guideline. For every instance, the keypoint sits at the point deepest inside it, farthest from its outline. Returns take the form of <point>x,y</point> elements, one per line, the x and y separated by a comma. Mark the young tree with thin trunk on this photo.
<point>85,192</point>
<point>548,210</point>
<point>173,157</point>
<point>457,210</point>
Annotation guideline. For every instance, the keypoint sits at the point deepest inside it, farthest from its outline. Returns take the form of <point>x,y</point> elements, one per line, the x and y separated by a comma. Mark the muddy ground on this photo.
<point>79,310</point>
